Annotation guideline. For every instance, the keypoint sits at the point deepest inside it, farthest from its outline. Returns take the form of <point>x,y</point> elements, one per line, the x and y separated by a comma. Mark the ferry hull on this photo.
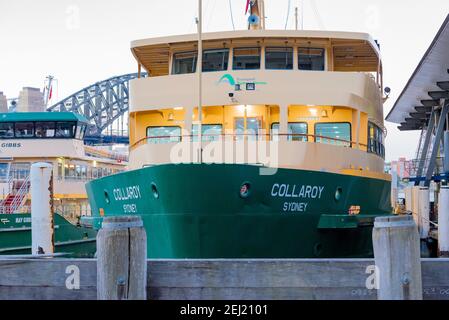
<point>15,236</point>
<point>197,211</point>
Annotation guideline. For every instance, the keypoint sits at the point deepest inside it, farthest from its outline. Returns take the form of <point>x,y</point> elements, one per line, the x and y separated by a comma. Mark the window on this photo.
<point>158,135</point>
<point>279,58</point>
<point>311,59</point>
<point>210,132</point>
<point>215,60</point>
<point>333,133</point>
<point>297,131</point>
<point>184,62</point>
<point>59,170</point>
<point>246,59</point>
<point>65,129</point>
<point>4,172</point>
<point>20,170</point>
<point>253,125</point>
<point>24,129</point>
<point>376,140</point>
<point>80,131</point>
<point>45,129</point>
<point>6,130</point>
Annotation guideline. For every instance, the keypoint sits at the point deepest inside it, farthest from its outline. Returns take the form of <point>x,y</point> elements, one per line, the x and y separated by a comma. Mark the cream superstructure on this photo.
<point>347,89</point>
<point>32,139</point>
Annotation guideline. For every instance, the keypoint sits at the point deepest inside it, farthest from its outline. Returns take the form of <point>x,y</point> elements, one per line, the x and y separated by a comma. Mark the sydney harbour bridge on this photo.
<point>105,104</point>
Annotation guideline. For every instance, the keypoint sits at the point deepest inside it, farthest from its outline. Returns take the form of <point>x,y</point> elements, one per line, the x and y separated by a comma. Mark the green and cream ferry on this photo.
<point>273,148</point>
<point>56,138</point>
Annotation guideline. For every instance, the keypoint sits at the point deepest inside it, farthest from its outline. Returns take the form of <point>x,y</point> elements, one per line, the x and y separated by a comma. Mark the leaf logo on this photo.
<point>227,78</point>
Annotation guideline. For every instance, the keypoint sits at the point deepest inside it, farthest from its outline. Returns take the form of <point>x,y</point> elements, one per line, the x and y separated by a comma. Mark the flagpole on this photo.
<point>200,78</point>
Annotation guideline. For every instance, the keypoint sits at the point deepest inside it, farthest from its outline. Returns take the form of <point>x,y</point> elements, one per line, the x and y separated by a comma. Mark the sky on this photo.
<point>84,41</point>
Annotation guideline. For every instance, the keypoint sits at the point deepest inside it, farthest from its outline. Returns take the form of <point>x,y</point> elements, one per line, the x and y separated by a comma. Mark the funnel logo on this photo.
<point>231,81</point>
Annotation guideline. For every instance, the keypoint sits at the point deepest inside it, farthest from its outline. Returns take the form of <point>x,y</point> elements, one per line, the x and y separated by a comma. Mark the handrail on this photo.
<point>10,186</point>
<point>105,154</point>
<point>20,195</point>
<point>139,142</point>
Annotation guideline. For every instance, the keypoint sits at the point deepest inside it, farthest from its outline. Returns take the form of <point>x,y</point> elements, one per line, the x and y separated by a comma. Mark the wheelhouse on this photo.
<point>42,125</point>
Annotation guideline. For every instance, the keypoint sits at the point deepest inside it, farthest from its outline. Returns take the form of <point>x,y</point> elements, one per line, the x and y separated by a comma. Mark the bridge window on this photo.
<point>80,131</point>
<point>158,135</point>
<point>297,131</point>
<point>333,133</point>
<point>24,129</point>
<point>279,58</point>
<point>6,130</point>
<point>184,62</point>
<point>215,60</point>
<point>65,129</point>
<point>311,59</point>
<point>210,132</point>
<point>376,140</point>
<point>246,58</point>
<point>45,129</point>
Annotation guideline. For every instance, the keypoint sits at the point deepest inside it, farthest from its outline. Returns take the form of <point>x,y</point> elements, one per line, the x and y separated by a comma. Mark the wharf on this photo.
<point>311,279</point>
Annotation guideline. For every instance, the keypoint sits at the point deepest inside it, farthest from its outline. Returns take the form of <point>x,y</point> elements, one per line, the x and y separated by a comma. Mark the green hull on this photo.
<point>197,211</point>
<point>15,236</point>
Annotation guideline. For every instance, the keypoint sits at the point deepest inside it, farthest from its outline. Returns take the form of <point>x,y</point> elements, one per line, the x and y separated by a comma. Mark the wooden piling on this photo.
<point>42,224</point>
<point>396,244</point>
<point>121,259</point>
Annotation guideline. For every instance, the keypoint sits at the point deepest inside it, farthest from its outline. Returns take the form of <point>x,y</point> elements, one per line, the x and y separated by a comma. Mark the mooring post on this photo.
<point>121,259</point>
<point>42,227</point>
<point>443,222</point>
<point>397,255</point>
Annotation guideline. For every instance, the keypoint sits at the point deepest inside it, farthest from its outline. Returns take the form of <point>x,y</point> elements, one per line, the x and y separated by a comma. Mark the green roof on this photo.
<point>41,116</point>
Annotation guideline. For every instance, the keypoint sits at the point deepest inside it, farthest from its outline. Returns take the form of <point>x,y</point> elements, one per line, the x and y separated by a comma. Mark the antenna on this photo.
<point>296,18</point>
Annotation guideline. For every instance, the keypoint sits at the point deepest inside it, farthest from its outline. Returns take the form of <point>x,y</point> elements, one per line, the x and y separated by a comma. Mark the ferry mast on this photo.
<point>256,20</point>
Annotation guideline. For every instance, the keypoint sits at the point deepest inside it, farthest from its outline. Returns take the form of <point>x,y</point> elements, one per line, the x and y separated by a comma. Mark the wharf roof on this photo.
<point>428,84</point>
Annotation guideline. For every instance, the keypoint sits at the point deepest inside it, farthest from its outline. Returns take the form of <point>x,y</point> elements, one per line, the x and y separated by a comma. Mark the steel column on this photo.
<point>436,145</point>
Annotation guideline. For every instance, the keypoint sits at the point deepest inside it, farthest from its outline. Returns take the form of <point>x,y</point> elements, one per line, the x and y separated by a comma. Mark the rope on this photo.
<point>232,16</point>
<point>288,14</point>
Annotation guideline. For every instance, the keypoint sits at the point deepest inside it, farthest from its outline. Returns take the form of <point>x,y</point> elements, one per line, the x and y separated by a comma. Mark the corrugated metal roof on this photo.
<point>426,86</point>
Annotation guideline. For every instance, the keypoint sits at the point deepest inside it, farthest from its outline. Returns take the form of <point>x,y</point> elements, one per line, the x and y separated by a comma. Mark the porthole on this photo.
<point>245,190</point>
<point>338,193</point>
<point>154,191</point>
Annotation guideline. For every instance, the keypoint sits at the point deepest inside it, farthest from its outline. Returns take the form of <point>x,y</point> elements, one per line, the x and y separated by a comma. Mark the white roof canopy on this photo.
<point>428,84</point>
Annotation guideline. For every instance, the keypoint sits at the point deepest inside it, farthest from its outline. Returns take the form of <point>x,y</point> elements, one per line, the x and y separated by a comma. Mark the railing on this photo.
<point>413,165</point>
<point>20,195</point>
<point>105,154</point>
<point>259,137</point>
